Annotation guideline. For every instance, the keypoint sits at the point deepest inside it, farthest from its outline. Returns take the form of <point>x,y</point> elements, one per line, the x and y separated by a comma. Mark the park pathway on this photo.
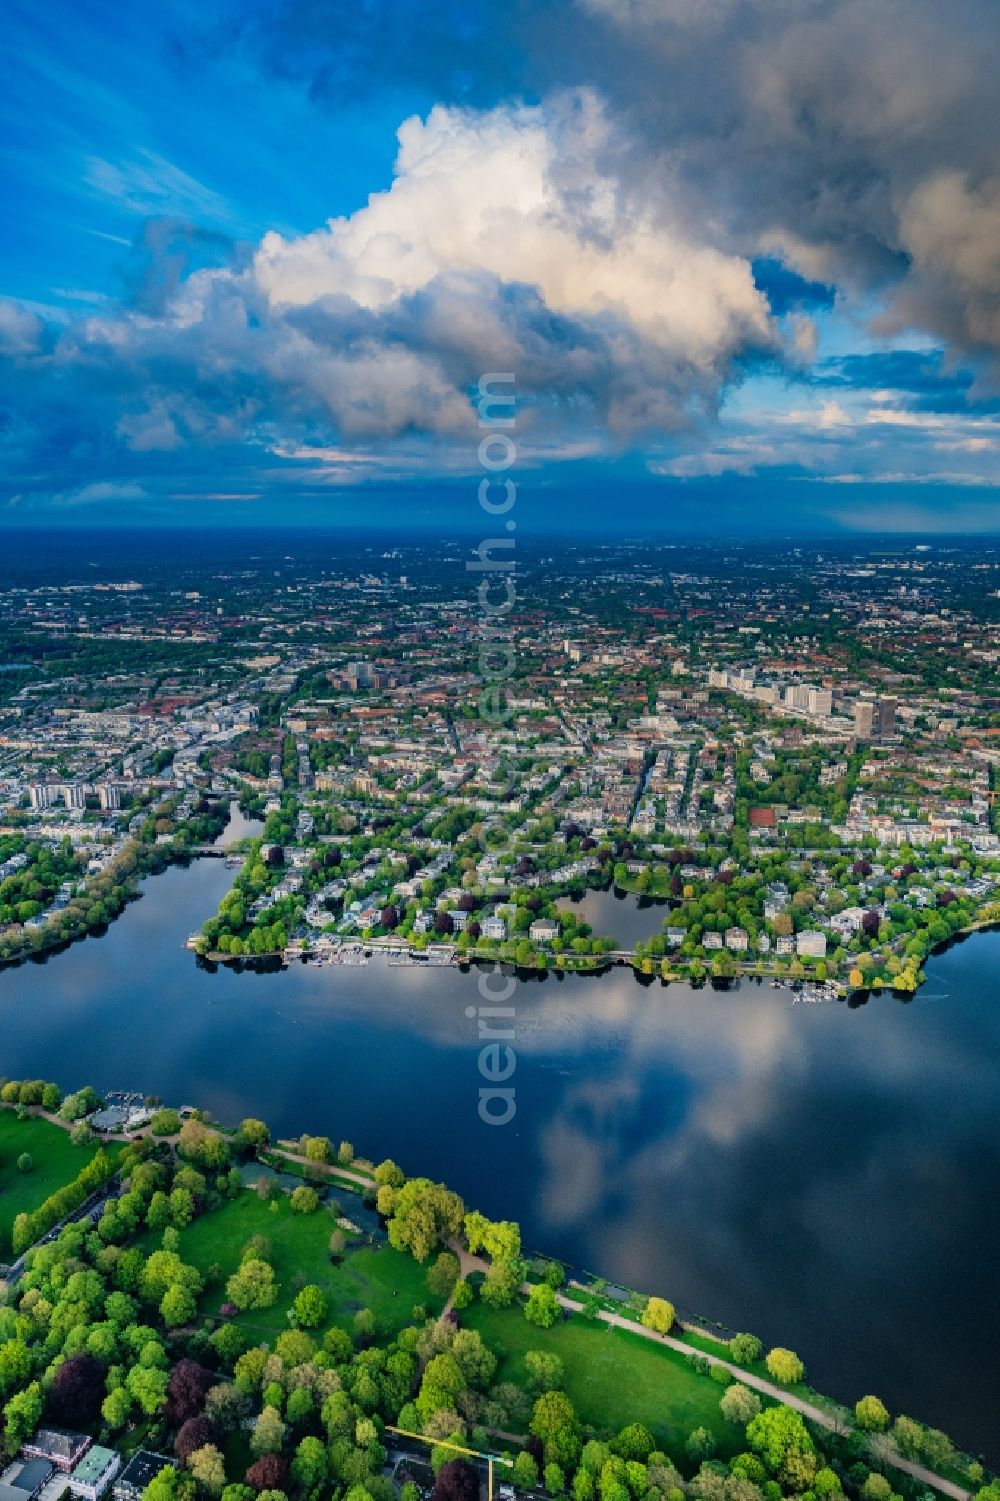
<point>809,1410</point>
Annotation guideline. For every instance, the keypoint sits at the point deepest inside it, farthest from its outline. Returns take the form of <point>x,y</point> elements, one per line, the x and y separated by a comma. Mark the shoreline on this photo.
<point>586,1299</point>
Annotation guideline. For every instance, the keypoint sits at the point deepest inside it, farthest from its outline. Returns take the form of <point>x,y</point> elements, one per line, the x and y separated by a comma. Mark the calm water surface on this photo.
<point>620,915</point>
<point>828,1177</point>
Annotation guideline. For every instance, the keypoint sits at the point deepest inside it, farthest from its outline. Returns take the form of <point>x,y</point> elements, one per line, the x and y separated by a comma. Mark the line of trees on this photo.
<point>30,1227</point>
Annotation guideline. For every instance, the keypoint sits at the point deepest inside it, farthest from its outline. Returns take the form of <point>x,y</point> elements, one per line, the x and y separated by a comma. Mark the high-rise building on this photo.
<point>885,716</point>
<point>110,795</point>
<point>41,795</point>
<point>74,795</point>
<point>797,696</point>
<point>820,701</point>
<point>864,718</point>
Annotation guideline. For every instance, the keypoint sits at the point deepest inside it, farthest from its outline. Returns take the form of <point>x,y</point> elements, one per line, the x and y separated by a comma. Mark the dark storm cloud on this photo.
<point>859,142</point>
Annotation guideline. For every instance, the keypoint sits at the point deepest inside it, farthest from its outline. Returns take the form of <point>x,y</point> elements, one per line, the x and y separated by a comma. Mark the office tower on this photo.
<point>864,718</point>
<point>885,716</point>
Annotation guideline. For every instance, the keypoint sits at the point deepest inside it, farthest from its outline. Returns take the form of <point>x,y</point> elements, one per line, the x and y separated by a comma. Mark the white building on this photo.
<point>94,1473</point>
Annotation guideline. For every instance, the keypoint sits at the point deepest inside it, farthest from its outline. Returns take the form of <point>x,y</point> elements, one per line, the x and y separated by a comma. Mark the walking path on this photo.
<point>287,1149</point>
<point>470,1263</point>
<point>818,1415</point>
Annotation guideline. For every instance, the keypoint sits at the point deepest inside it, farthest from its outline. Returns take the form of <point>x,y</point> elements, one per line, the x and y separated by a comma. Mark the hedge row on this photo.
<point>31,1227</point>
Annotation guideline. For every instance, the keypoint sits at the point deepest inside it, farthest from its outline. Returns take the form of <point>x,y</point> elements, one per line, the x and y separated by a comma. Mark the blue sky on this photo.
<point>740,257</point>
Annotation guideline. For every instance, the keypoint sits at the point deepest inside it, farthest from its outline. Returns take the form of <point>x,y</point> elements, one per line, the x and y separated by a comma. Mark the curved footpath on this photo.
<point>470,1263</point>
<point>809,1410</point>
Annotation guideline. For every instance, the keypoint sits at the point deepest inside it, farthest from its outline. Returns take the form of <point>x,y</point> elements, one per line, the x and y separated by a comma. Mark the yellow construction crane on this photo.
<point>440,1443</point>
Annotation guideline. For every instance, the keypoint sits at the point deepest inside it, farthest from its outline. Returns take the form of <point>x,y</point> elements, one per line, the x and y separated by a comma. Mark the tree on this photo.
<point>209,1468</point>
<point>253,1285</point>
<point>181,1208</point>
<point>21,1416</point>
<point>194,1434</point>
<point>781,1438</point>
<point>745,1349</point>
<point>545,1370</point>
<point>457,1480</point>
<point>116,1407</point>
<point>784,1365</point>
<point>310,1308</point>
<point>442,1274</point>
<point>423,1215</point>
<point>658,1315</point>
<point>443,1381</point>
<point>908,1435</point>
<point>503,1282</point>
<point>268,1435</point>
<point>555,1480</point>
<point>178,1306</point>
<point>872,1414</point>
<point>310,1467</point>
<point>200,1145</point>
<point>268,1473</point>
<point>542,1307</point>
<point>187,1389</point>
<point>525,1472</point>
<point>700,1444</point>
<point>147,1386</point>
<point>739,1404</point>
<point>633,1442</point>
<point>158,1211</point>
<point>364,1324</point>
<point>304,1200</point>
<point>317,1148</point>
<point>255,1132</point>
<point>554,1421</point>
<point>226,1406</point>
<point>477,1363</point>
<point>77,1391</point>
<point>162,1270</point>
<point>169,1484</point>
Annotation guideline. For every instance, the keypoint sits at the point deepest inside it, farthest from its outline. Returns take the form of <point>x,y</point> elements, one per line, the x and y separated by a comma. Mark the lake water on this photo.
<point>621,915</point>
<point>238,827</point>
<point>826,1176</point>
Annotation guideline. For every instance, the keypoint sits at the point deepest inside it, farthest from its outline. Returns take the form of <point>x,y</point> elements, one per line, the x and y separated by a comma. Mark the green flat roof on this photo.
<point>93,1464</point>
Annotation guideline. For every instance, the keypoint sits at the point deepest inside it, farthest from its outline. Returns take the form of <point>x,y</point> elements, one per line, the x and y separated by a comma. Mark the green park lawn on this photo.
<point>56,1162</point>
<point>614,1377</point>
<point>386,1281</point>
